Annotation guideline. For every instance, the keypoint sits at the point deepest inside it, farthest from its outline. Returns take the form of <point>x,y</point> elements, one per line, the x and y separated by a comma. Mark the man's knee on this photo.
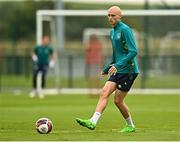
<point>118,101</point>
<point>104,93</point>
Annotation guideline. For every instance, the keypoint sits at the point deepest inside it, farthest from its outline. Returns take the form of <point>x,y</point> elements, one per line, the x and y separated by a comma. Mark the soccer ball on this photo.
<point>44,125</point>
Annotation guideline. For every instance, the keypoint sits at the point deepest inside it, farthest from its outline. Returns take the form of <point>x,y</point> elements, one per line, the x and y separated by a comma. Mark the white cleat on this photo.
<point>32,94</point>
<point>41,94</point>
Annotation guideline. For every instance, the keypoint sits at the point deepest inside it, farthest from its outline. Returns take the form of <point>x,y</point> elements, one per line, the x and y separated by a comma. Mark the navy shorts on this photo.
<point>123,81</point>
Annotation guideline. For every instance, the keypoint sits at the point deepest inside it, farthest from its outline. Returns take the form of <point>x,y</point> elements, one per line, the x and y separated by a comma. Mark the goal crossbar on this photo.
<point>104,12</point>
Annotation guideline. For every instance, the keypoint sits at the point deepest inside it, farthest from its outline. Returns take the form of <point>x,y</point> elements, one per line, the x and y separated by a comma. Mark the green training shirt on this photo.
<point>43,53</point>
<point>124,50</point>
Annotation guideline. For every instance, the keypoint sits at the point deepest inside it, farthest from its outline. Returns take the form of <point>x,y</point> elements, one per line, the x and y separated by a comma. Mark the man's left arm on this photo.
<point>132,49</point>
<point>52,60</point>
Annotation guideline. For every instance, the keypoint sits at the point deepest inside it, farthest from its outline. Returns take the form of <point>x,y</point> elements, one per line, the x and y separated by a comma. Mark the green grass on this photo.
<point>12,81</point>
<point>156,118</point>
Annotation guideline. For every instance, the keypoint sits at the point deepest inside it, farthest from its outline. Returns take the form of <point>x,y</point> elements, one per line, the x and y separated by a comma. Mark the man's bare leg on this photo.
<point>123,108</point>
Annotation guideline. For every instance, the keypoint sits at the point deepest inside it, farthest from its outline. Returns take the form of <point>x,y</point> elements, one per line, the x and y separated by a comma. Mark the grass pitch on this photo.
<point>156,118</point>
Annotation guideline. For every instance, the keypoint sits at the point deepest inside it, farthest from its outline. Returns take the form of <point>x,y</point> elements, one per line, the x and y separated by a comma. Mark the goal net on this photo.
<point>156,33</point>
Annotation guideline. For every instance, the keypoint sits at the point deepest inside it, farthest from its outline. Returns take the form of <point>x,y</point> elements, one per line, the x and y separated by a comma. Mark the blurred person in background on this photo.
<point>122,71</point>
<point>94,61</point>
<point>42,57</point>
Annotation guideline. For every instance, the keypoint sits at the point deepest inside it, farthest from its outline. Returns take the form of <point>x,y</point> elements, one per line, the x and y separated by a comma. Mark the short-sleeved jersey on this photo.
<point>124,50</point>
<point>43,53</point>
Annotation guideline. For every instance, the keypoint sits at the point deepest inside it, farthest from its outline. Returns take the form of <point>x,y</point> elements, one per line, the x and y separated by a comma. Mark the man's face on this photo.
<point>113,18</point>
<point>45,40</point>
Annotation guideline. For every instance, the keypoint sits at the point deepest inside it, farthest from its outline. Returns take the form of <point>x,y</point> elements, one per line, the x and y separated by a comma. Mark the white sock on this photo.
<point>129,121</point>
<point>95,117</point>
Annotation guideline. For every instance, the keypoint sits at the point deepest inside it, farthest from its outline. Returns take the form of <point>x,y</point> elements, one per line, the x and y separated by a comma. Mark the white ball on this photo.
<point>44,125</point>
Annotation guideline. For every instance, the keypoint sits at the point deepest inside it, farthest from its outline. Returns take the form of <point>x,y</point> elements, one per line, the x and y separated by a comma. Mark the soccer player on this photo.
<point>42,58</point>
<point>122,71</point>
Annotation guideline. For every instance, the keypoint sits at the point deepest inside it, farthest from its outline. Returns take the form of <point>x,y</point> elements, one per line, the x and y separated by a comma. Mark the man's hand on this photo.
<point>51,63</point>
<point>112,70</point>
<point>34,58</point>
<point>102,74</point>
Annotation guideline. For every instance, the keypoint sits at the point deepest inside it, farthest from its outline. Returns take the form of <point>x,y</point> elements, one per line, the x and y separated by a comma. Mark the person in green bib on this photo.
<point>42,59</point>
<point>122,71</point>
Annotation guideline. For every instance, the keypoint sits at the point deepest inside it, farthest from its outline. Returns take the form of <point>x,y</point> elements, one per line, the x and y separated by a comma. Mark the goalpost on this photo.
<point>42,14</point>
<point>45,15</point>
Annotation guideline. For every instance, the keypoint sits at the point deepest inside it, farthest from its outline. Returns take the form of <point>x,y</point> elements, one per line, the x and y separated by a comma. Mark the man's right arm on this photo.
<point>108,66</point>
<point>34,56</point>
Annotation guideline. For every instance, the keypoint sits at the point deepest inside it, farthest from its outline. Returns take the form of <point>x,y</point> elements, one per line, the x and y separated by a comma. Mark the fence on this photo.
<point>16,72</point>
